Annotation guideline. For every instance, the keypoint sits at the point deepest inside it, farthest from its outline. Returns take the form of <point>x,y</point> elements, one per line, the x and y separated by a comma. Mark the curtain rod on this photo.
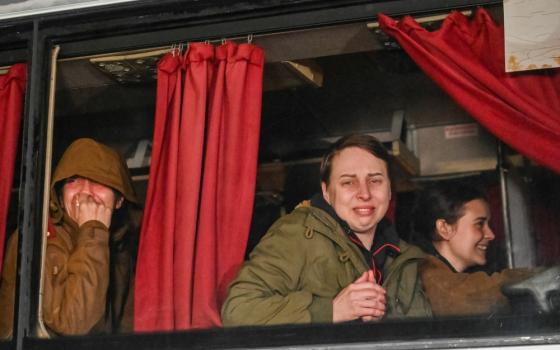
<point>152,51</point>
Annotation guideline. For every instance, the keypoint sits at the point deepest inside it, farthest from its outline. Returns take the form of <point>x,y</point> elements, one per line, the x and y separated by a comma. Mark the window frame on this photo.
<point>101,30</point>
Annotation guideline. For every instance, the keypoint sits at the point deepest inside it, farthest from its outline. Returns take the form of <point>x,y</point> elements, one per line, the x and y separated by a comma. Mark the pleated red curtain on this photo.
<point>12,92</point>
<point>202,181</point>
<point>466,59</point>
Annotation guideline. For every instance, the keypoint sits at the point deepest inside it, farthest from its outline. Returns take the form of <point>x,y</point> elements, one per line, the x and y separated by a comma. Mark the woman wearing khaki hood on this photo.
<point>88,272</point>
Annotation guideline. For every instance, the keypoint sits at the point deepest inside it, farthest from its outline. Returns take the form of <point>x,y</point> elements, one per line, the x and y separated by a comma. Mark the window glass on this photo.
<point>101,149</point>
<point>331,82</point>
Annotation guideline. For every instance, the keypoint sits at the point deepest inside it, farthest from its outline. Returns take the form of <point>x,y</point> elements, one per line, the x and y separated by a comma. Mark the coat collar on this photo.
<point>386,240</point>
<point>433,251</point>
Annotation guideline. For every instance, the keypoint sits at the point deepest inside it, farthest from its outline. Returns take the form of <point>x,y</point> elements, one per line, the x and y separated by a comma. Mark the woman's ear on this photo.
<point>444,231</point>
<point>325,192</point>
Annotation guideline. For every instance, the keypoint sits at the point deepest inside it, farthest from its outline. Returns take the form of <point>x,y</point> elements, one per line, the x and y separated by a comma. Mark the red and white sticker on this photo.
<point>460,131</point>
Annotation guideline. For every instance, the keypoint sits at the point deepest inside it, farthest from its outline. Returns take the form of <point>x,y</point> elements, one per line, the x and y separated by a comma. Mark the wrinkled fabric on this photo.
<point>385,241</point>
<point>88,271</point>
<point>465,294</point>
<point>302,263</point>
<point>12,92</point>
<point>202,184</point>
<point>465,57</point>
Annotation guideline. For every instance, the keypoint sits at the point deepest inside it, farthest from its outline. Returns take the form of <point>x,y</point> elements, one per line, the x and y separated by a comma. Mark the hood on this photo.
<point>95,161</point>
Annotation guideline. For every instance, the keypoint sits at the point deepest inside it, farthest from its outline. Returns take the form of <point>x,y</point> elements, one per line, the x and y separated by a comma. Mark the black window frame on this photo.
<point>151,23</point>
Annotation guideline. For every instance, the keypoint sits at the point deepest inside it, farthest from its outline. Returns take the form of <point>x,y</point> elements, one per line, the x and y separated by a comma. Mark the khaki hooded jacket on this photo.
<point>88,271</point>
<point>303,262</point>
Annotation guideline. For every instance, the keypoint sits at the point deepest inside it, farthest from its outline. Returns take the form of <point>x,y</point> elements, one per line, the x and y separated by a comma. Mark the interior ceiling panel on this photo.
<point>79,73</point>
<point>320,42</point>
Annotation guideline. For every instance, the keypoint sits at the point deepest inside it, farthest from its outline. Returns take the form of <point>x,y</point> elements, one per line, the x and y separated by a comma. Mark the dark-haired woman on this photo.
<point>452,222</point>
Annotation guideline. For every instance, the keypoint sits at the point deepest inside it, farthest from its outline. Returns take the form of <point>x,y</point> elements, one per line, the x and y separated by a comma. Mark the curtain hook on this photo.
<point>173,50</point>
<point>223,41</point>
<point>250,38</point>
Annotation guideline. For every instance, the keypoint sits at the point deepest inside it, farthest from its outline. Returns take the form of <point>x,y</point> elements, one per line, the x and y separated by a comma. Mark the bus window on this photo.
<point>320,84</point>
<point>308,90</point>
<point>101,147</point>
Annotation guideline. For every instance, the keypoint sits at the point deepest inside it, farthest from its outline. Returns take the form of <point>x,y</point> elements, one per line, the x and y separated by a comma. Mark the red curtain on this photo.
<point>12,92</point>
<point>202,183</point>
<point>466,59</point>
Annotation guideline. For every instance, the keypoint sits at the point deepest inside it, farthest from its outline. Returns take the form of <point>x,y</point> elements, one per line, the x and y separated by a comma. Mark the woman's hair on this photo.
<point>444,200</point>
<point>366,142</point>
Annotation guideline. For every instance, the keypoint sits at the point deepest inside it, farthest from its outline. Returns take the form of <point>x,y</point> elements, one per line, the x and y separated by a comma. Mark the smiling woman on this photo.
<point>336,259</point>
<point>359,190</point>
<point>452,220</point>
<point>465,241</point>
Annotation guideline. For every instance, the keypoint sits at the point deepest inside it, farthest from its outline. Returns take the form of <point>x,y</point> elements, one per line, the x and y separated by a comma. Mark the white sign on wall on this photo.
<point>22,8</point>
<point>532,34</point>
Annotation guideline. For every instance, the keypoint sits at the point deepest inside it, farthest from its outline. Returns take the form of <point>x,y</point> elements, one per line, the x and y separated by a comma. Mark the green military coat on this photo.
<point>302,263</point>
